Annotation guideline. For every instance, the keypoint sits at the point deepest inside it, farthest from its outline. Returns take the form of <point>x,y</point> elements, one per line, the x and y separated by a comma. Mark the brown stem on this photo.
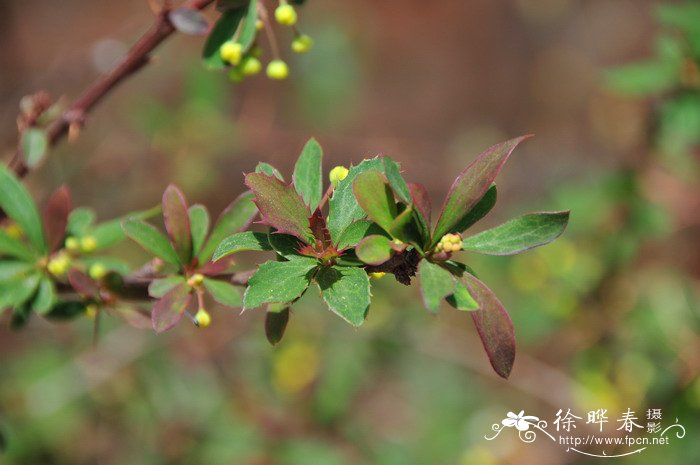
<point>139,56</point>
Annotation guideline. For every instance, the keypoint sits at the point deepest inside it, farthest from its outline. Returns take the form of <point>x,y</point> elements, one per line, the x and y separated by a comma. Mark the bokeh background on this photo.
<point>606,317</point>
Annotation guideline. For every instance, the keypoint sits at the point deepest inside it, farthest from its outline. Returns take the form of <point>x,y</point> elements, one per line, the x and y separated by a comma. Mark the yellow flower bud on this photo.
<point>59,265</point>
<point>195,280</point>
<point>202,319</point>
<point>286,15</point>
<point>277,70</point>
<point>231,52</point>
<point>72,244</point>
<point>91,311</point>
<point>337,174</point>
<point>236,75</point>
<point>97,271</point>
<point>251,66</point>
<point>259,24</point>
<point>302,43</point>
<point>377,275</point>
<point>88,244</point>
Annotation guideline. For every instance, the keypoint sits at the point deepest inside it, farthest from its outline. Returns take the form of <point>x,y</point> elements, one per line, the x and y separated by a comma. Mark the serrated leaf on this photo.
<point>358,230</point>
<point>276,324</point>
<point>518,235</point>
<point>374,250</point>
<point>252,241</point>
<point>236,217</point>
<point>177,223</point>
<point>494,326</point>
<point>461,299</point>
<point>35,146</point>
<point>344,209</point>
<point>308,177</point>
<point>9,246</point>
<point>56,214</point>
<point>189,21</point>
<point>280,206</point>
<point>199,226</point>
<point>398,184</point>
<point>223,292</point>
<point>151,240</point>
<point>480,210</point>
<point>19,206</point>
<point>168,310</point>
<point>376,197</point>
<point>223,30</point>
<point>471,185</point>
<point>279,282</point>
<point>79,220</point>
<point>346,292</point>
<point>159,287</point>
<point>45,296</point>
<point>269,170</point>
<point>285,245</point>
<point>436,283</point>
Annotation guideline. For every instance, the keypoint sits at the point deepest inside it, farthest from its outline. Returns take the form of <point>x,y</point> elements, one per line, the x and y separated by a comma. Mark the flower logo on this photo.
<point>520,421</point>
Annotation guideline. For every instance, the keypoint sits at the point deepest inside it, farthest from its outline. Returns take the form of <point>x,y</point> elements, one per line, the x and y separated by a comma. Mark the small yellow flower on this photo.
<point>195,280</point>
<point>337,174</point>
<point>72,244</point>
<point>302,43</point>
<point>449,243</point>
<point>251,66</point>
<point>259,24</point>
<point>91,311</point>
<point>231,52</point>
<point>88,244</point>
<point>59,265</point>
<point>277,70</point>
<point>97,271</point>
<point>202,319</point>
<point>377,275</point>
<point>286,15</point>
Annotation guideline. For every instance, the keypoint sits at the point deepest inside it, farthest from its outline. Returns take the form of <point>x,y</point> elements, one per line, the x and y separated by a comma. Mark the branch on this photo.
<point>139,56</point>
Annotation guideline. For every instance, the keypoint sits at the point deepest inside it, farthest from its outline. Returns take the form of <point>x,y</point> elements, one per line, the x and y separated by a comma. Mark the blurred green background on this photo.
<point>606,317</point>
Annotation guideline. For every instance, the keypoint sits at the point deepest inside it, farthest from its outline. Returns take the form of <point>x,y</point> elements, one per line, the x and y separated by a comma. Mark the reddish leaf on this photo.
<point>136,317</point>
<point>56,216</point>
<point>376,197</point>
<point>168,310</point>
<point>421,200</point>
<point>177,222</point>
<point>317,224</point>
<point>494,326</point>
<point>217,267</point>
<point>471,185</point>
<point>280,206</point>
<point>83,284</point>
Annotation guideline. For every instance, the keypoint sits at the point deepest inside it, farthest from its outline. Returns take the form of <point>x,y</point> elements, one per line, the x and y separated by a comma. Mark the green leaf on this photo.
<point>471,185</point>
<point>248,240</point>
<point>199,226</point>
<point>436,283</point>
<point>223,30</point>
<point>159,287</point>
<point>494,326</point>
<point>480,210</point>
<point>19,206</point>
<point>358,230</point>
<point>18,290</point>
<point>402,227</point>
<point>518,235</point>
<point>285,245</point>
<point>642,79</point>
<point>64,311</point>
<point>10,270</point>
<point>376,197</point>
<point>344,209</point>
<point>276,323</point>
<point>177,223</point>
<point>280,206</point>
<point>249,29</point>
<point>269,170</point>
<point>461,299</point>
<point>79,220</point>
<point>223,292</point>
<point>35,146</point>
<point>9,246</point>
<point>279,282</point>
<point>45,296</point>
<point>151,240</point>
<point>374,250</point>
<point>308,177</point>
<point>393,174</point>
<point>168,310</point>
<point>236,217</point>
<point>346,292</point>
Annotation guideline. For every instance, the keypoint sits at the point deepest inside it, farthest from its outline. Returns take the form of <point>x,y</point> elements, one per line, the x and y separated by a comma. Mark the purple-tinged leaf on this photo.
<point>376,197</point>
<point>480,210</point>
<point>177,223</point>
<point>317,224</point>
<point>83,284</point>
<point>421,200</point>
<point>471,185</point>
<point>136,317</point>
<point>280,206</point>
<point>374,250</point>
<point>494,326</point>
<point>168,310</point>
<point>189,21</point>
<point>218,267</point>
<point>56,216</point>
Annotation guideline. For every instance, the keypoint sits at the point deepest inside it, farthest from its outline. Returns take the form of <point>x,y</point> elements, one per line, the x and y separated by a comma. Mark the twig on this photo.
<point>139,56</point>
